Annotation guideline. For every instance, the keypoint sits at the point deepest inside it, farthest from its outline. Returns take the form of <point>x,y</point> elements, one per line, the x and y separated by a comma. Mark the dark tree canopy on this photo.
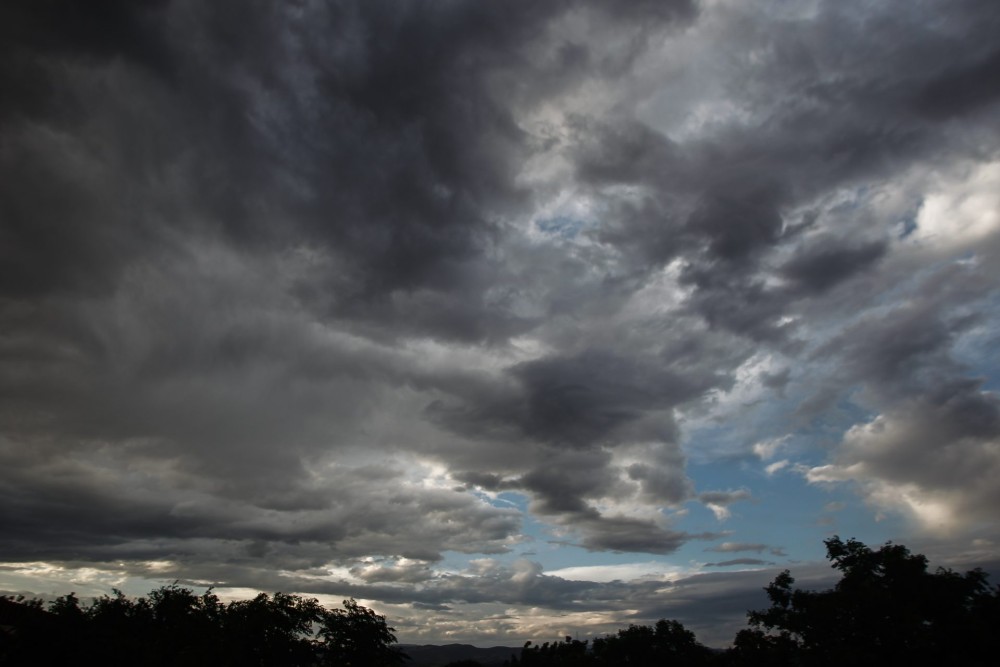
<point>666,643</point>
<point>568,653</point>
<point>174,626</point>
<point>355,636</point>
<point>887,609</point>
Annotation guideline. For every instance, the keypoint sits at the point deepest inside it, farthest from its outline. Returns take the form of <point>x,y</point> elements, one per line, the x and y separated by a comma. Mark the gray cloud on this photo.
<point>740,561</point>
<point>719,501</point>
<point>932,457</point>
<point>736,547</point>
<point>822,267</point>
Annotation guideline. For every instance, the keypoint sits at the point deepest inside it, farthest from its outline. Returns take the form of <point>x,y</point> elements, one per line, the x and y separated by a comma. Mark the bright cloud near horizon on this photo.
<point>511,320</point>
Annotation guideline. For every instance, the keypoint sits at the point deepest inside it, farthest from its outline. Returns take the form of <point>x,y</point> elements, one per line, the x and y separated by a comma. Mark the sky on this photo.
<point>511,320</point>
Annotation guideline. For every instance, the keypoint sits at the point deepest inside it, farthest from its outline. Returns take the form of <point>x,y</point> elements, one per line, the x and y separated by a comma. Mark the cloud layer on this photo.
<point>320,295</point>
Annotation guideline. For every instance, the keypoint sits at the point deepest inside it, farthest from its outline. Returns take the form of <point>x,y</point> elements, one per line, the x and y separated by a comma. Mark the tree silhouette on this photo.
<point>668,642</point>
<point>886,609</point>
<point>568,653</point>
<point>357,637</point>
<point>271,630</point>
<point>174,626</point>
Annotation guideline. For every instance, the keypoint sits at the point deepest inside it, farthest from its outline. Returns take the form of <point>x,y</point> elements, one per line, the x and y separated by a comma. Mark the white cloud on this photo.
<point>936,461</point>
<point>777,466</point>
<point>962,211</point>
<point>766,449</point>
<point>620,572</point>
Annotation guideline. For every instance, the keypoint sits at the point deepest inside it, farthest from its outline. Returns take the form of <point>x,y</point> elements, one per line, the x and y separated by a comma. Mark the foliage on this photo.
<point>668,642</point>
<point>886,609</point>
<point>174,626</point>
<point>357,637</point>
<point>568,653</point>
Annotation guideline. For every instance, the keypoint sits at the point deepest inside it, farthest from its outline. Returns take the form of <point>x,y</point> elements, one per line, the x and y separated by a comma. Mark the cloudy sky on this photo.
<point>510,319</point>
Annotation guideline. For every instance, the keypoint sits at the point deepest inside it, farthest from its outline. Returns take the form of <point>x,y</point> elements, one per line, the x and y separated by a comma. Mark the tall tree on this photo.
<point>887,609</point>
<point>356,636</point>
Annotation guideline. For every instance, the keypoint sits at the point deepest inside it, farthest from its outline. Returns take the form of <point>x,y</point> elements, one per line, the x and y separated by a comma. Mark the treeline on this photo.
<point>174,627</point>
<point>887,609</point>
<point>666,643</point>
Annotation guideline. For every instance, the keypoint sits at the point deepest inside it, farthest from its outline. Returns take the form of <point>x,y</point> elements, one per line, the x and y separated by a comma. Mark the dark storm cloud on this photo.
<point>663,480</point>
<point>961,89</point>
<point>739,217</point>
<point>103,29</point>
<point>563,483</point>
<point>735,303</point>
<point>580,409</point>
<point>426,167</point>
<point>821,267</point>
<point>191,190</point>
<point>33,32</point>
<point>593,398</point>
<point>907,347</point>
<point>90,513</point>
<point>816,117</point>
<point>626,534</point>
<point>582,399</point>
<point>624,152</point>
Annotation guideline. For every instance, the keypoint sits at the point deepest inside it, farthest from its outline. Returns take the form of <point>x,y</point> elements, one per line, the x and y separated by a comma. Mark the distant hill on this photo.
<point>430,655</point>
